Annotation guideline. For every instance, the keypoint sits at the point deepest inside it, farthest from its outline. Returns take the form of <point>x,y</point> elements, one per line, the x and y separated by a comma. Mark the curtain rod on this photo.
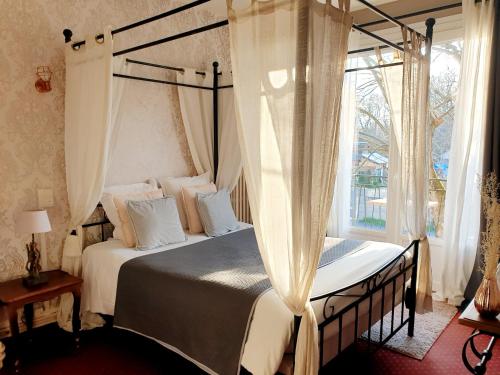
<point>413,14</point>
<point>160,81</point>
<point>373,67</point>
<point>162,66</point>
<point>225,23</point>
<point>379,38</point>
<point>387,17</point>
<point>173,37</point>
<point>68,34</point>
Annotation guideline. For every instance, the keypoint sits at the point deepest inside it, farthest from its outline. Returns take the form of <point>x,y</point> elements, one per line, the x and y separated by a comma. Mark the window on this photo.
<point>445,70</point>
<point>373,147</point>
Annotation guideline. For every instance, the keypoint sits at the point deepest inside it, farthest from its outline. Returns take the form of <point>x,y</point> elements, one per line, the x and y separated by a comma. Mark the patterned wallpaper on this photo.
<point>152,141</point>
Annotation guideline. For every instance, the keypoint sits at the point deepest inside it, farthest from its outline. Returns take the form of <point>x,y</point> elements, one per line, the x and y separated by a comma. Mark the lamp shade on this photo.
<point>36,221</point>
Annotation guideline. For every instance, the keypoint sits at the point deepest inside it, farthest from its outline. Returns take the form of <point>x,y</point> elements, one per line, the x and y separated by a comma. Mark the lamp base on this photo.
<point>31,281</point>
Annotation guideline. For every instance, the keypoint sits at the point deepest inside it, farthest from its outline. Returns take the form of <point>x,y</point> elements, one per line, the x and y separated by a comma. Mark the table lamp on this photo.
<point>36,221</point>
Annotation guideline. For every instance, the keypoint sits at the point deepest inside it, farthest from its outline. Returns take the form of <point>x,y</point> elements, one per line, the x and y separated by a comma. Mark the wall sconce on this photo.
<point>44,75</point>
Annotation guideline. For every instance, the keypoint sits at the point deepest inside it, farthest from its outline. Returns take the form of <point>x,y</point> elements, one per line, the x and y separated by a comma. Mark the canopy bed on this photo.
<point>356,284</point>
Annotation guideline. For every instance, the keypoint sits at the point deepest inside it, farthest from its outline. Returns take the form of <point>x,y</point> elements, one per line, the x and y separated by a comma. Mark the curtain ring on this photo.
<point>99,38</point>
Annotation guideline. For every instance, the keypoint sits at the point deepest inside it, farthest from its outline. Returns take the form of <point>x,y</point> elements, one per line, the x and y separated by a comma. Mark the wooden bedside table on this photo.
<point>14,295</point>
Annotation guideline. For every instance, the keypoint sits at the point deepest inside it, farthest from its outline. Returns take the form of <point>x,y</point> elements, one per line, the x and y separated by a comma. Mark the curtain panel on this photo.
<point>197,117</point>
<point>414,150</point>
<point>491,159</point>
<point>92,100</point>
<point>288,59</point>
<point>463,201</point>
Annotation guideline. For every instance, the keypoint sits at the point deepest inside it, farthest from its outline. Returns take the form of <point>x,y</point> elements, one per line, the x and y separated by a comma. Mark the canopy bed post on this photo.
<point>215,91</point>
<point>412,294</point>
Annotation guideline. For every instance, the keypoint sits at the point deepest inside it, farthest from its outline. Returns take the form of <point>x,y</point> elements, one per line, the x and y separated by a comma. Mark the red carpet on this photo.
<point>106,352</point>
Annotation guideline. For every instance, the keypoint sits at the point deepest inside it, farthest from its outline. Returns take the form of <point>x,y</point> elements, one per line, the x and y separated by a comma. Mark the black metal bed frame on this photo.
<point>371,285</point>
<point>376,282</point>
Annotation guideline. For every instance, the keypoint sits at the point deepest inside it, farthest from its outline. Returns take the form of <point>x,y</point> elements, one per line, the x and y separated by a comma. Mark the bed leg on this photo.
<point>296,325</point>
<point>412,293</point>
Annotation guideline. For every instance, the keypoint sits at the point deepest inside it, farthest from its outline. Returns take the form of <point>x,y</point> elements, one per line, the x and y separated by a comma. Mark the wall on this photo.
<point>32,124</point>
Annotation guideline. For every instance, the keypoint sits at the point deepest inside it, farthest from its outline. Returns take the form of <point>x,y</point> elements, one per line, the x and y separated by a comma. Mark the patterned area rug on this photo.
<point>428,327</point>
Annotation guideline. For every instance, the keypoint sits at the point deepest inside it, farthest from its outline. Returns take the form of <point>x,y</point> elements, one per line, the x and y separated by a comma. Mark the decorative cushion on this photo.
<point>190,207</point>
<point>120,201</point>
<point>216,213</point>
<point>155,222</point>
<point>173,186</point>
<point>109,206</point>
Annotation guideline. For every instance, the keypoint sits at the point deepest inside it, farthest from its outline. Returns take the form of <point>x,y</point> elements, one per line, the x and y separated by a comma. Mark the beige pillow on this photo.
<point>190,205</point>
<point>120,201</point>
<point>174,185</point>
<point>109,205</point>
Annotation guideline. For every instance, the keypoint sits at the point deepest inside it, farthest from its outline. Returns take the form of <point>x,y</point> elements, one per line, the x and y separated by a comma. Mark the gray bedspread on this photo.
<point>199,299</point>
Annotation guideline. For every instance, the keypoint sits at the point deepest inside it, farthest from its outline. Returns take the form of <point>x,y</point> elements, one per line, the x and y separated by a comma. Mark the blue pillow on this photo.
<point>216,213</point>
<point>156,222</point>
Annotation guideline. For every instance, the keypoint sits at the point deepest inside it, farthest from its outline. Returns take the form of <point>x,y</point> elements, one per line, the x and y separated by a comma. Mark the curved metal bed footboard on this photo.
<point>379,281</point>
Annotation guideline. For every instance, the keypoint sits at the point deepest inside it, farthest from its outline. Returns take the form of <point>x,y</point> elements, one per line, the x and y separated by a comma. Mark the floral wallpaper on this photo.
<point>152,141</point>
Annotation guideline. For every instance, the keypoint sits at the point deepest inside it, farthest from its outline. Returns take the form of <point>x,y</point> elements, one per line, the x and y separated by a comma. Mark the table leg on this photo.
<point>28,317</point>
<point>76,317</point>
<point>484,356</point>
<point>14,331</point>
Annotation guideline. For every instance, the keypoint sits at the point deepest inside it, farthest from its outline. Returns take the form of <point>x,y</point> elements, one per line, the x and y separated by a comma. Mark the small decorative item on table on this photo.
<point>36,221</point>
<point>487,298</point>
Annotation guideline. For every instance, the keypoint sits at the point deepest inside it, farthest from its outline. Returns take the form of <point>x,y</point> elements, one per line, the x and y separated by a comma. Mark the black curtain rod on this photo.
<point>373,67</point>
<point>417,13</point>
<point>173,37</point>
<point>225,23</point>
<point>368,49</point>
<point>160,81</point>
<point>387,17</point>
<point>379,38</point>
<point>162,66</point>
<point>429,23</point>
<point>145,21</point>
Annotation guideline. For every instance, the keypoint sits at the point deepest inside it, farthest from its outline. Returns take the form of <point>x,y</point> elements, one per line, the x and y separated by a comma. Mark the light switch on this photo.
<point>45,198</point>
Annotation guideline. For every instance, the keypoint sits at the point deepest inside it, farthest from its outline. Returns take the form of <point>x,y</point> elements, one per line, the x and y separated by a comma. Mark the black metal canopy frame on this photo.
<point>68,34</point>
<point>371,284</point>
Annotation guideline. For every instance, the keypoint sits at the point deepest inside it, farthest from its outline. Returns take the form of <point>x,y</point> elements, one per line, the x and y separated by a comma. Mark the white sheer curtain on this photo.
<point>197,116</point>
<point>391,82</point>
<point>339,219</point>
<point>91,113</point>
<point>230,163</point>
<point>462,205</point>
<point>288,60</point>
<point>414,143</point>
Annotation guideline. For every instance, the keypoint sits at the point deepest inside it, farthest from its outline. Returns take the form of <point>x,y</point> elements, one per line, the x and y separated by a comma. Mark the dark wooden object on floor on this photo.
<point>14,295</point>
<point>482,326</point>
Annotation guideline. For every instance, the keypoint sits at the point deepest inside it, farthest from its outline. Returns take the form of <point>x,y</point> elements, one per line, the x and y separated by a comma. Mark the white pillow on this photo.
<point>109,205</point>
<point>173,186</point>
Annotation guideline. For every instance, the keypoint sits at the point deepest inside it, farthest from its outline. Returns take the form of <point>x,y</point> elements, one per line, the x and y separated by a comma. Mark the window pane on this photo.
<point>445,70</point>
<point>370,158</point>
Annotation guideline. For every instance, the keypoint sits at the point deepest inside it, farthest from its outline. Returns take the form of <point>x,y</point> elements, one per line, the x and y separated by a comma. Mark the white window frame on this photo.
<point>446,29</point>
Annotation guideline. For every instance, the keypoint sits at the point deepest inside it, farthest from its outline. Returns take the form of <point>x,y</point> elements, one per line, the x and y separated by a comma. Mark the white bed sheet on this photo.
<point>272,324</point>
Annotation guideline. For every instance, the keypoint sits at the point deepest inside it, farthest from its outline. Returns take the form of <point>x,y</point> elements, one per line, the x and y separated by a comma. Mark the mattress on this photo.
<point>272,324</point>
